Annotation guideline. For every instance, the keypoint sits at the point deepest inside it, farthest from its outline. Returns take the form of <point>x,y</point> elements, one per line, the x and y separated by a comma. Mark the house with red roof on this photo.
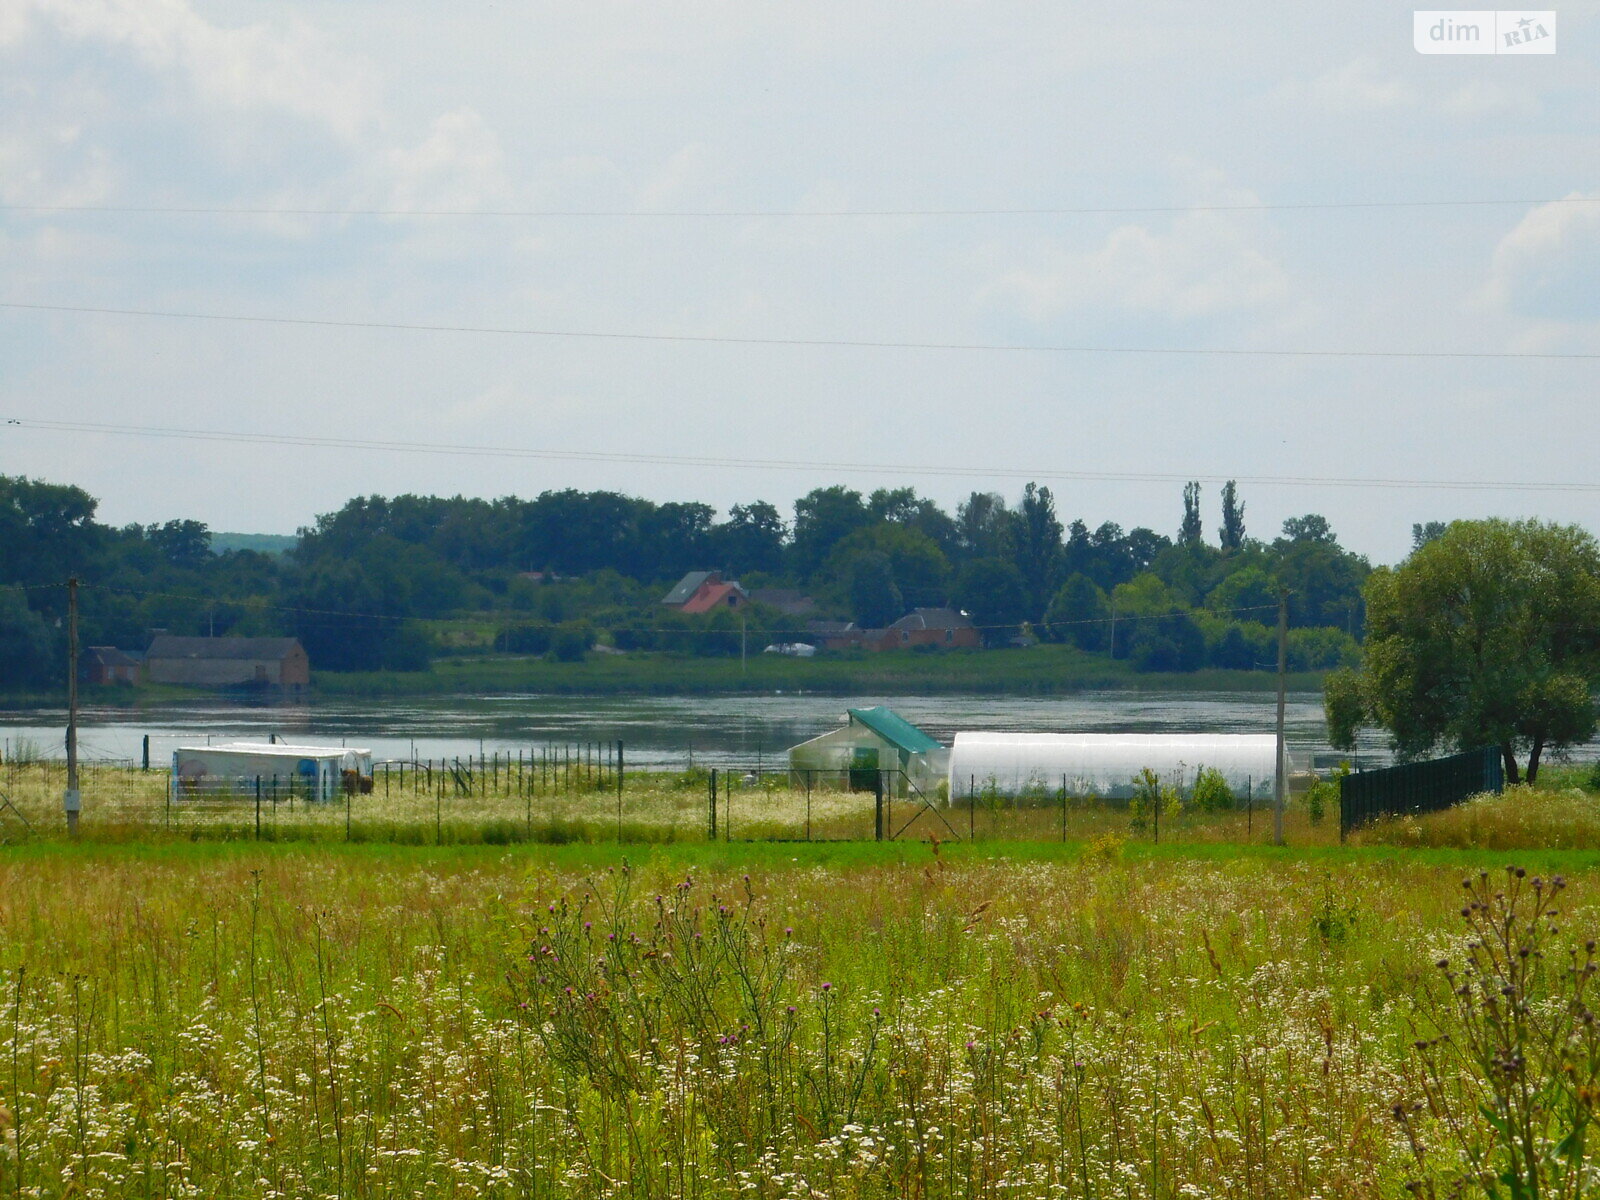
<point>705,591</point>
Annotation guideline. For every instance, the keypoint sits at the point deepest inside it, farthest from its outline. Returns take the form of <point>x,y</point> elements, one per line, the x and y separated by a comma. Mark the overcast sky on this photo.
<point>779,110</point>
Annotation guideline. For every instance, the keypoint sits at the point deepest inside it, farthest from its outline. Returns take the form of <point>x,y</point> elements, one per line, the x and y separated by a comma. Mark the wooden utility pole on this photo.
<point>71,801</point>
<point>1281,791</point>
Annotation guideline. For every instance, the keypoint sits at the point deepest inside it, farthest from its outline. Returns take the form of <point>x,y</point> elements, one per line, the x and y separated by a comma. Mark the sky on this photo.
<point>735,251</point>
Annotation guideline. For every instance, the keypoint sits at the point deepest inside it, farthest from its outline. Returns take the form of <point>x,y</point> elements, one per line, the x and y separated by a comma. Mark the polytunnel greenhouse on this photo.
<point>1106,764</point>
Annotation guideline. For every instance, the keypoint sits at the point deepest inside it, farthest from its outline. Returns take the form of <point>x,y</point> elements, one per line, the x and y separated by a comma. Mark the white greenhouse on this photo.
<point>1105,764</point>
<point>870,742</point>
<point>236,768</point>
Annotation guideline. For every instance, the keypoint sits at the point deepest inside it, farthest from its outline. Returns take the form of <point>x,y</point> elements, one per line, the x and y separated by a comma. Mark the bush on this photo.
<point>571,641</point>
<point>1152,799</point>
<point>1211,792</point>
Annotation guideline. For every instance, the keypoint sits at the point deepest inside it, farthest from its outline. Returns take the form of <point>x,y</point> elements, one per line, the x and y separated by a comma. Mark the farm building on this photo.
<point>107,664</point>
<point>228,662</point>
<point>872,740</point>
<point>1105,764</point>
<point>233,769</point>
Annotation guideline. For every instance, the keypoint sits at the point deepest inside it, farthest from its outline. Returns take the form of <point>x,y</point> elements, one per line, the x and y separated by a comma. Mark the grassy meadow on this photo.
<point>121,804</point>
<point>189,1012</point>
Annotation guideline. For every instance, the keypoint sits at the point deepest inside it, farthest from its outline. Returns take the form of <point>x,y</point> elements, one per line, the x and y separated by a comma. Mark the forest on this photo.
<point>392,583</point>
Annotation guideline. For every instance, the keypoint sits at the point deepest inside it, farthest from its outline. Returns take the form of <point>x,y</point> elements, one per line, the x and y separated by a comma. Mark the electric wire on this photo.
<point>776,214</point>
<point>807,343</point>
<point>469,450</point>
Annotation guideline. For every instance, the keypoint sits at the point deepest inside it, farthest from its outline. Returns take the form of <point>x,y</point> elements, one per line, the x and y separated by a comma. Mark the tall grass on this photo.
<point>122,804</point>
<point>1520,817</point>
<point>235,1021</point>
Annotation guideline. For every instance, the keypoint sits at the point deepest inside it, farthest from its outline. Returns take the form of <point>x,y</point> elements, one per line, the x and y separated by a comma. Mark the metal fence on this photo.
<point>1421,787</point>
<point>586,792</point>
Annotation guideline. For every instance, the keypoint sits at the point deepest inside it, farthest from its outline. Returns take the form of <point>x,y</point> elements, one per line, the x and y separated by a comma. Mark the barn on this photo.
<point>228,662</point>
<point>1105,764</point>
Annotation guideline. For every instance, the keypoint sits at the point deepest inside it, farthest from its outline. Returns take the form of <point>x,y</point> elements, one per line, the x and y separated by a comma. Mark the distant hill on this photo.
<point>261,543</point>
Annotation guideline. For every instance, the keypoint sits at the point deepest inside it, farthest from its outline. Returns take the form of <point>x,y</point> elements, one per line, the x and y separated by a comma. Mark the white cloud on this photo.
<point>1548,266</point>
<point>285,67</point>
<point>458,165</point>
<point>1196,265</point>
<point>1359,85</point>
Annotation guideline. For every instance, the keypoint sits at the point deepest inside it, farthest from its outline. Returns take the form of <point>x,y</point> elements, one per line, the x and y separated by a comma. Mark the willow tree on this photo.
<point>1486,636</point>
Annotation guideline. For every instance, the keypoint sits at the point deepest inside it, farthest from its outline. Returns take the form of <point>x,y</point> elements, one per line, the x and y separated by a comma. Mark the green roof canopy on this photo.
<point>894,729</point>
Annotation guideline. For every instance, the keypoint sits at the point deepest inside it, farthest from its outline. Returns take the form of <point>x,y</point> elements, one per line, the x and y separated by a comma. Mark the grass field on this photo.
<point>779,1021</point>
<point>191,1012</point>
<point>121,804</point>
<point>1037,670</point>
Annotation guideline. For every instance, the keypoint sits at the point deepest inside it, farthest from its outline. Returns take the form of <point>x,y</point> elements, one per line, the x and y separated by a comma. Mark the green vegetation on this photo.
<point>776,1021</point>
<point>391,584</point>
<point>1040,670</point>
<point>1488,635</point>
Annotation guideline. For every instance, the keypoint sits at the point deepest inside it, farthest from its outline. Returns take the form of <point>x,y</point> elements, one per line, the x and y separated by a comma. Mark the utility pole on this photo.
<point>1281,791</point>
<point>741,642</point>
<point>71,801</point>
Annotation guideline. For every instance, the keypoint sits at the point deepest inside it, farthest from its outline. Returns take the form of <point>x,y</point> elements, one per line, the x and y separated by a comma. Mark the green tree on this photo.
<point>1190,531</point>
<point>1489,635</point>
<point>1079,614</point>
<point>875,600</point>
<point>751,539</point>
<point>1423,532</point>
<point>28,650</point>
<point>1232,532</point>
<point>823,518</point>
<point>992,593</point>
<point>1040,553</point>
<point>917,566</point>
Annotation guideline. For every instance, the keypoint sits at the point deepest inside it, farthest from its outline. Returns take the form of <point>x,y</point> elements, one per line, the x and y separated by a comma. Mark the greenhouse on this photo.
<point>1105,764</point>
<point>872,740</point>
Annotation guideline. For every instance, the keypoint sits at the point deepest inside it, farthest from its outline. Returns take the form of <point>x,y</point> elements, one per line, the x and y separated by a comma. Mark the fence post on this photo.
<point>619,783</point>
<point>808,804</point>
<point>438,812</point>
<point>711,811</point>
<point>258,808</point>
<point>145,766</point>
<point>1063,808</point>
<point>972,809</point>
<point>877,806</point>
<point>349,797</point>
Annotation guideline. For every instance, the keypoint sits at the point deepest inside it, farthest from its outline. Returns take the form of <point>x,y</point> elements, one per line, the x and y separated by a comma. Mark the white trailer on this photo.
<point>277,768</point>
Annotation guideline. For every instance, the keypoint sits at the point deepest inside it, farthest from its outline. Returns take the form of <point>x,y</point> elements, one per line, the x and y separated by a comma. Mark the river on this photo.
<point>658,732</point>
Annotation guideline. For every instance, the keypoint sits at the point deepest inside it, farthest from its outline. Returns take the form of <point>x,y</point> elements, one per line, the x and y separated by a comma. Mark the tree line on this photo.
<point>387,583</point>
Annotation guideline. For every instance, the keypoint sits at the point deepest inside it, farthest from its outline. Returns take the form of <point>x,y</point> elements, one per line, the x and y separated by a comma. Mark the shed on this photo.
<point>233,769</point>
<point>1013,764</point>
<point>872,740</point>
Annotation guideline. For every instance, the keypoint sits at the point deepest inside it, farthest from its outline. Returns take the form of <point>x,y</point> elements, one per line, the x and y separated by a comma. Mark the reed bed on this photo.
<point>192,1020</point>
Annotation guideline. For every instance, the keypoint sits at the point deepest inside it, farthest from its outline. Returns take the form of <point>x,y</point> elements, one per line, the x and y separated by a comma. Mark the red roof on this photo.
<point>713,596</point>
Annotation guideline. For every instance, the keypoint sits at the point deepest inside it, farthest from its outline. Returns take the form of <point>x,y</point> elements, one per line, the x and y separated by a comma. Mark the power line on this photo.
<point>835,343</point>
<point>772,464</point>
<point>783,214</point>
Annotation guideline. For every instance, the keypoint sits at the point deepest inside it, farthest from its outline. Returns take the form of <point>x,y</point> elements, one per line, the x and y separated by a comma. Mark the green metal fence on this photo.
<point>1420,787</point>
